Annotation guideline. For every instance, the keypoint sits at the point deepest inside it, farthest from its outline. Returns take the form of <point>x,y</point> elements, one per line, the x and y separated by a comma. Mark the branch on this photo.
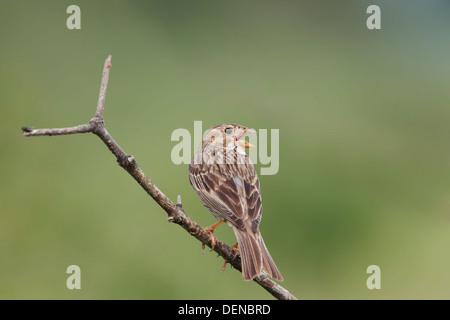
<point>175,212</point>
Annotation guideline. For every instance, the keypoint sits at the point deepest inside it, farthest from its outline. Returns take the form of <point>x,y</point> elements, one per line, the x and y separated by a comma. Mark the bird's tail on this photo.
<point>254,255</point>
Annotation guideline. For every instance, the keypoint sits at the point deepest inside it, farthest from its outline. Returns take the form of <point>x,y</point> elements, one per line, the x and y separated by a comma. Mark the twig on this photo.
<point>175,212</point>
<point>103,86</point>
<point>83,128</point>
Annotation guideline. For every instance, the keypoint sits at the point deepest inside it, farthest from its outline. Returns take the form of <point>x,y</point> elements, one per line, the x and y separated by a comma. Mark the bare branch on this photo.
<point>175,212</point>
<point>83,128</point>
<point>103,86</point>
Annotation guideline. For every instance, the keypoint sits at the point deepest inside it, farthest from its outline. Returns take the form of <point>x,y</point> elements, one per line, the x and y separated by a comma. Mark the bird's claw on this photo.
<point>236,251</point>
<point>210,230</point>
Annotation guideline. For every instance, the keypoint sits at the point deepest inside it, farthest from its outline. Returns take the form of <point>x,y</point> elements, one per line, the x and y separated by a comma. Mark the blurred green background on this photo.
<point>363,115</point>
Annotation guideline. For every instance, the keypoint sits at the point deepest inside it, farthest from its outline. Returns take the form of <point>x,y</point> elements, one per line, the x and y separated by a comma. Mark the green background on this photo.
<point>363,115</point>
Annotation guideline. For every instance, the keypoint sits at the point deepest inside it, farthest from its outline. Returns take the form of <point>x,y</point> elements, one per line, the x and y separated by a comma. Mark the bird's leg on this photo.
<point>235,248</point>
<point>210,229</point>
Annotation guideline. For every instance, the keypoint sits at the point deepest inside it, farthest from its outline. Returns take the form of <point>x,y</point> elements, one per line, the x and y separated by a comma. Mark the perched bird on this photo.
<point>226,182</point>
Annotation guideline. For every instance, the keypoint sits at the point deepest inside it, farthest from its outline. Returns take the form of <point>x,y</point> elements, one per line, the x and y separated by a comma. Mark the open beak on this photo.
<point>244,143</point>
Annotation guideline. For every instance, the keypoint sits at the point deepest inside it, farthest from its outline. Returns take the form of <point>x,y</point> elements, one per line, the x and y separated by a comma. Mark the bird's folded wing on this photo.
<point>234,198</point>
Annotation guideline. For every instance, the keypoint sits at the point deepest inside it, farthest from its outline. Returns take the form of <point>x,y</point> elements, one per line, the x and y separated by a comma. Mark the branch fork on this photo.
<point>175,212</point>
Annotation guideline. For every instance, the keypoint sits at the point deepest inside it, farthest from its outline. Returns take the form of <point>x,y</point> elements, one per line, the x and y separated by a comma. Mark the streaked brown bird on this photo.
<point>226,182</point>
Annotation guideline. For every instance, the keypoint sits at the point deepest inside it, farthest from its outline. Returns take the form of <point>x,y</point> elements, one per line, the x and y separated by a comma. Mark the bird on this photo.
<point>227,184</point>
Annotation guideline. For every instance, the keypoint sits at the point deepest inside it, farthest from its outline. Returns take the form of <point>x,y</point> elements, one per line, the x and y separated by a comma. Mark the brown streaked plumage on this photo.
<point>226,182</point>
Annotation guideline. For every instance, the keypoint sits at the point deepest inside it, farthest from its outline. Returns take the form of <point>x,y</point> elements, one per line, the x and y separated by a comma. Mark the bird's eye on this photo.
<point>228,130</point>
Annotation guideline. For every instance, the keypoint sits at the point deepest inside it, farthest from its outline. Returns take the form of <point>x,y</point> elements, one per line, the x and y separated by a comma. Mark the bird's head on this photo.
<point>228,135</point>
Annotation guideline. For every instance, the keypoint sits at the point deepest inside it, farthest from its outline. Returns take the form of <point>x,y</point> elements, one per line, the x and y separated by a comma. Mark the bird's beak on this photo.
<point>244,143</point>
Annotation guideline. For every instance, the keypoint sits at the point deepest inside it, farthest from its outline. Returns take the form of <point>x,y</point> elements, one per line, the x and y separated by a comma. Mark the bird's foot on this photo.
<point>210,230</point>
<point>235,248</point>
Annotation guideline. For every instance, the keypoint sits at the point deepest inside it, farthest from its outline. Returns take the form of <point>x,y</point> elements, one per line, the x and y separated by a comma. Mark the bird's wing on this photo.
<point>234,194</point>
